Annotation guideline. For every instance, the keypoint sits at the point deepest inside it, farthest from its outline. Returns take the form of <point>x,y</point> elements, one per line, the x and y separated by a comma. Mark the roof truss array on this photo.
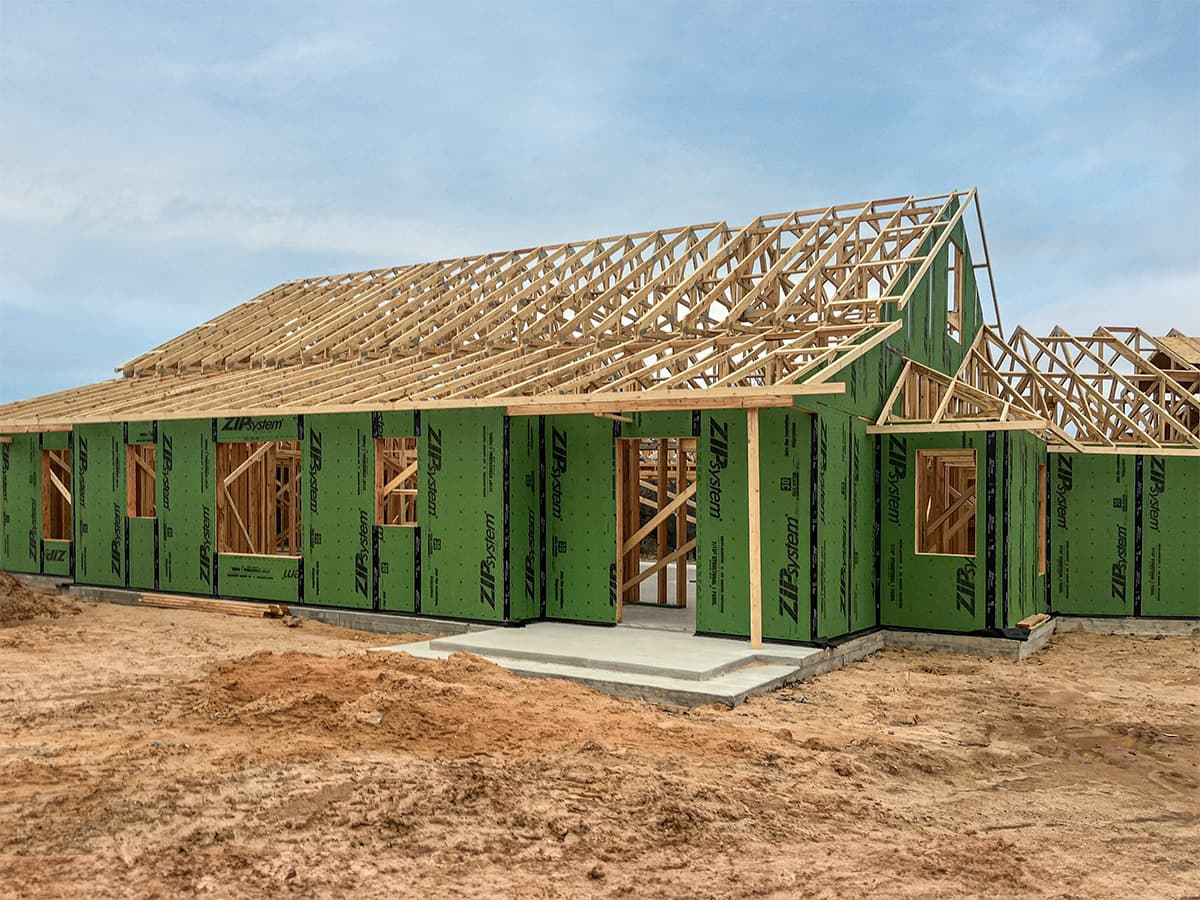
<point>1105,392</point>
<point>766,311</point>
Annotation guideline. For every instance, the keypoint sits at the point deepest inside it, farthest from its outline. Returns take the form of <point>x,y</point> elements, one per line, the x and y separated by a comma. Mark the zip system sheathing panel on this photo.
<point>1125,535</point>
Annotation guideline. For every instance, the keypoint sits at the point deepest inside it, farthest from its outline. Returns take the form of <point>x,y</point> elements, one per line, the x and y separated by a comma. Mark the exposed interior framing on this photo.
<point>258,498</point>
<point>656,512</point>
<point>947,502</point>
<point>396,481</point>
<point>141,479</point>
<point>56,495</point>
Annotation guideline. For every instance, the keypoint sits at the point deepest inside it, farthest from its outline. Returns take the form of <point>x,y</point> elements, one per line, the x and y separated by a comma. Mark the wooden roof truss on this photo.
<point>762,311</point>
<point>1101,393</point>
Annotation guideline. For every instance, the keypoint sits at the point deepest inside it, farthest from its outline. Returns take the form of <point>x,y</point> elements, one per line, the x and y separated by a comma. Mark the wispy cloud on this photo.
<point>159,163</point>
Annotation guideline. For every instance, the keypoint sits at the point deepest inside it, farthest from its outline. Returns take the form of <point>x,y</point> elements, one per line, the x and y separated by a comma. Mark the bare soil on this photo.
<point>161,753</point>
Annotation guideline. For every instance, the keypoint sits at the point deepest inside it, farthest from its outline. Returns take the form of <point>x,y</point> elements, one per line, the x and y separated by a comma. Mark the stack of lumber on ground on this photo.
<point>228,607</point>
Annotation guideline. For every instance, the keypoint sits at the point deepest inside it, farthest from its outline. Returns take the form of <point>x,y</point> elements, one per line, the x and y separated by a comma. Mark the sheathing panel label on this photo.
<point>1092,533</point>
<point>461,511</point>
<point>337,510</point>
<point>785,437</point>
<point>580,505</point>
<point>1171,536</point>
<point>98,468</point>
<point>722,525</point>
<point>187,524</point>
<point>274,578</point>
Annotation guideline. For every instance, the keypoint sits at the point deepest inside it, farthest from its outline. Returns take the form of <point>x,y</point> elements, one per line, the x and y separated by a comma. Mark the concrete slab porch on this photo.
<point>660,666</point>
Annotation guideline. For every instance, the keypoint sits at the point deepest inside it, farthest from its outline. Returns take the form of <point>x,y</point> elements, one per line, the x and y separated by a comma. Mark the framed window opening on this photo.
<point>396,481</point>
<point>258,498</point>
<point>56,495</point>
<point>141,481</point>
<point>947,503</point>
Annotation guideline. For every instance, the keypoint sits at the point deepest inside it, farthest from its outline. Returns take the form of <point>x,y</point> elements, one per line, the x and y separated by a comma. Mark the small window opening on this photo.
<point>56,495</point>
<point>954,292</point>
<point>258,498</point>
<point>1041,489</point>
<point>140,480</point>
<point>396,481</point>
<point>946,502</point>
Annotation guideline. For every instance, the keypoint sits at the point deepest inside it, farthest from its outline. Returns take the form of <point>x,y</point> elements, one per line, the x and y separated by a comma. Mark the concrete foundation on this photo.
<point>1131,626</point>
<point>974,645</point>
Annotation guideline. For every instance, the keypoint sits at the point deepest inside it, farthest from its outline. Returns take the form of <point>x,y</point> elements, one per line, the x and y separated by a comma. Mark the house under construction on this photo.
<point>805,427</point>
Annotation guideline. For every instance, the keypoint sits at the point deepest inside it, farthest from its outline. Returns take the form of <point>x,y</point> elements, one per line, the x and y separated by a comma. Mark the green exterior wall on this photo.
<point>1100,505</point>
<point>22,493</point>
<point>1022,591</point>
<point>56,558</point>
<point>579,458</point>
<point>1092,533</point>
<point>524,514</point>
<point>140,568</point>
<point>785,500</point>
<point>946,593</point>
<point>98,470</point>
<point>722,525</point>
<point>460,508</point>
<point>1170,536</point>
<point>186,506</point>
<point>273,578</point>
<point>337,510</point>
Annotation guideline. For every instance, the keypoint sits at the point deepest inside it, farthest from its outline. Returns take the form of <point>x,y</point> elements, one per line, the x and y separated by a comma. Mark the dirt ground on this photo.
<point>165,753</point>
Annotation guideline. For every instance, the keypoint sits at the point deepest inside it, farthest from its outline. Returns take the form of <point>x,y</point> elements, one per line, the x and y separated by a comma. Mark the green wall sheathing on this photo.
<point>673,423</point>
<point>337,489</point>
<point>1022,591</point>
<point>257,428</point>
<point>524,513</point>
<point>460,509</point>
<point>56,440</point>
<point>784,476</point>
<point>139,561</point>
<point>397,546</point>
<point>275,578</point>
<point>1170,536</point>
<point>98,470</point>
<point>186,506</point>
<point>722,525</point>
<point>397,423</point>
<point>396,578</point>
<point>22,463</point>
<point>581,518</point>
<point>56,558</point>
<point>140,433</point>
<point>945,593</point>
<point>1092,533</point>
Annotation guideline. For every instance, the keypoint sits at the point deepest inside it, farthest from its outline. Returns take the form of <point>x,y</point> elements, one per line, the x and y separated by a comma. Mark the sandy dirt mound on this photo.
<point>166,753</point>
<point>20,603</point>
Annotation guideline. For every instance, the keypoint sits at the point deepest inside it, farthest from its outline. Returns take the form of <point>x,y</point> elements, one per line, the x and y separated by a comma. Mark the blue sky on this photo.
<point>161,162</point>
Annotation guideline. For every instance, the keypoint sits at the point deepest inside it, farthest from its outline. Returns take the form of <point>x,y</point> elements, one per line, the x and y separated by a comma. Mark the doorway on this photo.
<point>656,532</point>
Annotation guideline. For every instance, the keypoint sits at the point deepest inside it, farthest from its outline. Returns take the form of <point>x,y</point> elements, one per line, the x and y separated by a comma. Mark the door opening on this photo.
<point>656,523</point>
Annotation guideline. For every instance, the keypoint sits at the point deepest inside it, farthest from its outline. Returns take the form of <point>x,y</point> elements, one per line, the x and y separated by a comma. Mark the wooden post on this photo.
<point>660,538</point>
<point>755,529</point>
<point>681,532</point>
<point>622,500</point>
